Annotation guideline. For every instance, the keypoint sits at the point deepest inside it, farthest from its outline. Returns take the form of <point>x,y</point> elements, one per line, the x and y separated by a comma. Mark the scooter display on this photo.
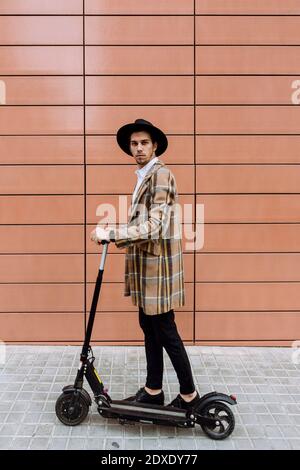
<point>211,412</point>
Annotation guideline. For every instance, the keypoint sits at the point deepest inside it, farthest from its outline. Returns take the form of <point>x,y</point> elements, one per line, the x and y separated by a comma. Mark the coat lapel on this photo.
<point>143,187</point>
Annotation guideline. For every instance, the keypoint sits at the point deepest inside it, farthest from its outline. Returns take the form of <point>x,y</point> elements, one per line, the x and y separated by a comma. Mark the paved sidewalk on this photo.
<point>265,380</point>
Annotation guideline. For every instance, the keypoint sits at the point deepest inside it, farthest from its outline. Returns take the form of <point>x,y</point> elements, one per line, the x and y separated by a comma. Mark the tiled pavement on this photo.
<point>265,380</point>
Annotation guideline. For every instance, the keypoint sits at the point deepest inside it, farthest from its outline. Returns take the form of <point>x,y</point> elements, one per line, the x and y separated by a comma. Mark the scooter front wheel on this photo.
<point>71,412</point>
<point>225,420</point>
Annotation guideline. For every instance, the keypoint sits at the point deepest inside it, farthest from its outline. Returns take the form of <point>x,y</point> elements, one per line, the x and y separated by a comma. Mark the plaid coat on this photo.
<point>154,273</point>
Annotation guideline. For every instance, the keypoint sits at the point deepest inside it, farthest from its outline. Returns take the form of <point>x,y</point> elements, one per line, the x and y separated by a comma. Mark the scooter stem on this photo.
<point>92,315</point>
<point>104,253</point>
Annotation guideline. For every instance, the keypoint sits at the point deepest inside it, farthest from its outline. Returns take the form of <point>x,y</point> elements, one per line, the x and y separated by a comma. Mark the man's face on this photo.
<point>141,147</point>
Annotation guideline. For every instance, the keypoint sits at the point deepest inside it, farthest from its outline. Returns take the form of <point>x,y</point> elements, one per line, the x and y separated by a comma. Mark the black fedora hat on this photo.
<point>124,133</point>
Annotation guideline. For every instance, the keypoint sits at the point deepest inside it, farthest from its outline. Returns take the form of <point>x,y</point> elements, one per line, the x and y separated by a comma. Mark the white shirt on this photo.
<point>141,173</point>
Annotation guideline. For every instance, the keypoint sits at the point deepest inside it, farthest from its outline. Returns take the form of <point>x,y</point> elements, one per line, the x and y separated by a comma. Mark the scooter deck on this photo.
<point>152,414</point>
<point>145,413</point>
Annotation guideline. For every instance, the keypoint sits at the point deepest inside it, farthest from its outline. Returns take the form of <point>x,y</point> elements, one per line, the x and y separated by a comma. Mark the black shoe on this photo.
<point>143,397</point>
<point>179,402</point>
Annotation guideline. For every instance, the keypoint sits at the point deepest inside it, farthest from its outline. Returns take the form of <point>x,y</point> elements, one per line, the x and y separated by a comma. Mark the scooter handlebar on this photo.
<point>103,242</point>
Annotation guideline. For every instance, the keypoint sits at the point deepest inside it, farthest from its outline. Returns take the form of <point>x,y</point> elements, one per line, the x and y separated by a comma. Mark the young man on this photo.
<point>154,262</point>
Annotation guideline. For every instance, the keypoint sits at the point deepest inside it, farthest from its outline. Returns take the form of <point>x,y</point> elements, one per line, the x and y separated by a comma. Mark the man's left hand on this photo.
<point>100,234</point>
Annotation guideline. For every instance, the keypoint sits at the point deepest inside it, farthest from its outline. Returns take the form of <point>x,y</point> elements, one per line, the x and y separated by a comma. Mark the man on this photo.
<point>154,262</point>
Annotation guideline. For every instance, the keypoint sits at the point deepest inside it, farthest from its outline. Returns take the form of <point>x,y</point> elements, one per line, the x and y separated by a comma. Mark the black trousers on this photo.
<point>161,332</point>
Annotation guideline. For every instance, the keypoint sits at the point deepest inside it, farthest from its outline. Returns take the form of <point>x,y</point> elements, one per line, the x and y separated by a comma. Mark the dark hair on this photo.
<point>149,131</point>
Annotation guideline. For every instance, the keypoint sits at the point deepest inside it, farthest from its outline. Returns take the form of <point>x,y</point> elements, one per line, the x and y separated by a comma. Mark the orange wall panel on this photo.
<point>247,296</point>
<point>108,178</point>
<point>41,209</point>
<point>251,238</point>
<point>41,149</point>
<point>137,7</point>
<point>42,297</point>
<point>36,60</point>
<point>218,326</point>
<point>35,7</point>
<point>248,120</point>
<point>38,30</point>
<point>105,150</point>
<point>44,90</point>
<point>139,30</point>
<point>148,60</point>
<point>41,120</point>
<point>247,179</point>
<point>283,30</point>
<point>243,60</point>
<point>106,119</point>
<point>244,90</point>
<point>41,268</point>
<point>248,149</point>
<point>152,90</point>
<point>247,7</point>
<point>124,326</point>
<point>40,326</point>
<point>251,208</point>
<point>44,179</point>
<point>256,267</point>
<point>42,239</point>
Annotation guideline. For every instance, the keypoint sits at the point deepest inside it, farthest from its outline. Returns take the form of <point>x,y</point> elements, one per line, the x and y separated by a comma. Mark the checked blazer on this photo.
<point>154,272</point>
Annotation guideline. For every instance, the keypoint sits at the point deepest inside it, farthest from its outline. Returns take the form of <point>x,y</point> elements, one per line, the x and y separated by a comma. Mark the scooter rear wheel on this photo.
<point>71,416</point>
<point>225,417</point>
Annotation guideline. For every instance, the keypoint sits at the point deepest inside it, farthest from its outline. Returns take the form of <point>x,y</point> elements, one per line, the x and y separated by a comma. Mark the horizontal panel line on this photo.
<point>154,75</point>
<point>132,311</point>
<point>245,311</point>
<point>242,253</point>
<point>126,194</point>
<point>122,341</point>
<point>249,341</point>
<point>75,283</point>
<point>94,253</point>
<point>149,45</point>
<point>249,310</point>
<point>82,283</point>
<point>91,224</point>
<point>169,134</point>
<point>241,134</point>
<point>242,282</point>
<point>99,342</point>
<point>227,45</point>
<point>105,75</point>
<point>21,105</point>
<point>46,253</point>
<point>77,311</point>
<point>99,44</point>
<point>66,15</point>
<point>133,165</point>
<point>100,15</point>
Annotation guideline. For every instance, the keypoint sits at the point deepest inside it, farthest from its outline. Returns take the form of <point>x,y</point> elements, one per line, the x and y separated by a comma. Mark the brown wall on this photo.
<point>217,76</point>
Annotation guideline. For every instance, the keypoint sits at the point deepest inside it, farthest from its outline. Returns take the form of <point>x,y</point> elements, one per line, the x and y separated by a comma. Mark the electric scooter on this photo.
<point>72,406</point>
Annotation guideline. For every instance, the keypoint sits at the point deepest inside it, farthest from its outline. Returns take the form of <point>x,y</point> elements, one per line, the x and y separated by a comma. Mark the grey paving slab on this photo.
<point>265,380</point>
